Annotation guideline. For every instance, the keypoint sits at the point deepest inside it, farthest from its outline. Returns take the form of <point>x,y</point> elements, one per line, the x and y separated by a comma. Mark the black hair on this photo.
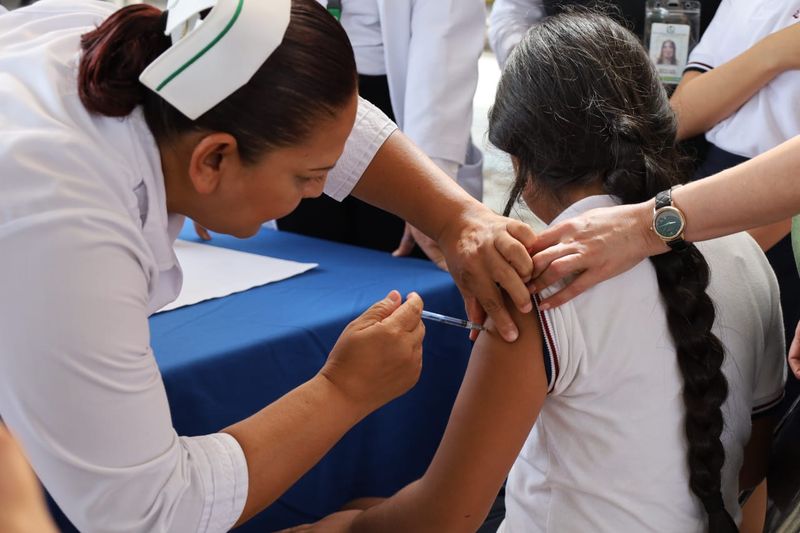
<point>580,103</point>
<point>310,76</point>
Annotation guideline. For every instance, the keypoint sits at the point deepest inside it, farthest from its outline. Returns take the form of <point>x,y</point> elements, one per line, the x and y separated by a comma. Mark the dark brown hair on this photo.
<point>311,76</point>
<point>580,102</point>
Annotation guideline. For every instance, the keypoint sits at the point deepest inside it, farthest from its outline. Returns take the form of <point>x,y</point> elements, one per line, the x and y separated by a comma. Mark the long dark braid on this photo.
<point>578,102</point>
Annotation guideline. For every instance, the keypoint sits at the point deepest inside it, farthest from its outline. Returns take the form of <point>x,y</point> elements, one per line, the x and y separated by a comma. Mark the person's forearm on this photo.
<point>770,235</point>
<point>701,101</point>
<point>285,439</point>
<point>401,179</point>
<point>755,193</point>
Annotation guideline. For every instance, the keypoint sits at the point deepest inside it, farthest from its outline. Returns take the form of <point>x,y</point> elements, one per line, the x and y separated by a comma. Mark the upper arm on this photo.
<point>677,102</point>
<point>499,400</point>
<point>687,77</point>
<point>501,397</point>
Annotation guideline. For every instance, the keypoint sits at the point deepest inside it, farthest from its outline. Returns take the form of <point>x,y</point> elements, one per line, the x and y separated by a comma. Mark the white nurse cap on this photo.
<point>210,58</point>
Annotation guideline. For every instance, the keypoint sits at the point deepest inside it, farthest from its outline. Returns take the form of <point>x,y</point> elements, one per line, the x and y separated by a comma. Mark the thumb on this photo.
<point>382,309</point>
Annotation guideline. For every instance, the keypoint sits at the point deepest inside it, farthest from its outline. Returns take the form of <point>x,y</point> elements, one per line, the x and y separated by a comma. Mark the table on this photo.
<point>224,359</point>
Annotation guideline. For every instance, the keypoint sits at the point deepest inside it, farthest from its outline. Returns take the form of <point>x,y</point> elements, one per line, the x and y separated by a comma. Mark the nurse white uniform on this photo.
<point>86,248</point>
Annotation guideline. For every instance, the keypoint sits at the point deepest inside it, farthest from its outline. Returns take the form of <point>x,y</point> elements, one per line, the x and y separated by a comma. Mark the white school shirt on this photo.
<point>86,248</point>
<point>608,451</point>
<point>772,115</point>
<point>509,21</point>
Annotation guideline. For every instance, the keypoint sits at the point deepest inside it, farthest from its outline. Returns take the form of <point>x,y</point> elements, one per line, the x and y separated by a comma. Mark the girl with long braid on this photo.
<point>628,408</point>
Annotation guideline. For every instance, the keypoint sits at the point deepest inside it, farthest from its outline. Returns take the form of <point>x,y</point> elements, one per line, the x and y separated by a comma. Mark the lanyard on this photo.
<point>335,9</point>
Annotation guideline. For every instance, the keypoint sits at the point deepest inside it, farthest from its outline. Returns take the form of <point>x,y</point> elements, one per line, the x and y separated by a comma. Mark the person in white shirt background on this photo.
<point>510,19</point>
<point>112,132</point>
<point>740,88</point>
<point>418,62</point>
<point>630,408</point>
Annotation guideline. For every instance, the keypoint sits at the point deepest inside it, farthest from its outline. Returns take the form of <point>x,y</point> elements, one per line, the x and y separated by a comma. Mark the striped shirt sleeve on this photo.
<point>549,348</point>
<point>705,56</point>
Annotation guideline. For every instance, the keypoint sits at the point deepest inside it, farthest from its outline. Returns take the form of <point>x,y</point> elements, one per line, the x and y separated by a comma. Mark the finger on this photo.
<point>542,260</point>
<point>406,245</point>
<point>552,236</point>
<point>522,233</point>
<point>407,316</point>
<point>438,259</point>
<point>558,270</point>
<point>510,281</point>
<point>573,289</point>
<point>382,309</point>
<point>516,255</point>
<point>475,314</point>
<point>492,302</point>
<point>418,335</point>
<point>202,232</point>
<point>431,249</point>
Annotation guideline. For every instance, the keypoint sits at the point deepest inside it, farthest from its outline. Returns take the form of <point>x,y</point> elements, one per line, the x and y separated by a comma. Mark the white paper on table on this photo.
<point>213,272</point>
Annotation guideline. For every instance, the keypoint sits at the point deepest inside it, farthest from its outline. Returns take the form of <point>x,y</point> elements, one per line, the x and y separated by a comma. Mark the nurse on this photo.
<point>117,125</point>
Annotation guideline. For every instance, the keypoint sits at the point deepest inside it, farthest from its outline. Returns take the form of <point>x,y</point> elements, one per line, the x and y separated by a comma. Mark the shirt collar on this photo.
<point>585,204</point>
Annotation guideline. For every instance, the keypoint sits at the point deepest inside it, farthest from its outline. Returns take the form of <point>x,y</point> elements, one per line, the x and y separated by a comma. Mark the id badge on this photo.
<point>672,29</point>
<point>669,50</point>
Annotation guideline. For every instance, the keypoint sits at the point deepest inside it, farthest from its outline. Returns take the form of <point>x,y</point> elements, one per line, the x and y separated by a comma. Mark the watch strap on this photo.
<point>664,199</point>
<point>677,244</point>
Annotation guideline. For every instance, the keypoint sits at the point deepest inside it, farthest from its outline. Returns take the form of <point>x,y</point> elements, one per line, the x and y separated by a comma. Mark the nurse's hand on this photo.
<point>484,250</point>
<point>592,247</point>
<point>412,236</point>
<point>378,356</point>
<point>22,507</point>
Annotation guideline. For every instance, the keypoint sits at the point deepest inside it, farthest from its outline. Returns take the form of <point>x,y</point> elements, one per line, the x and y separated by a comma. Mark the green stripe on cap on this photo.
<point>208,47</point>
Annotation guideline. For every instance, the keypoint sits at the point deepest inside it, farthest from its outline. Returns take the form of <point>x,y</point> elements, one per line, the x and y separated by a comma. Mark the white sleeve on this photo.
<point>370,131</point>
<point>81,389</point>
<point>508,23</point>
<point>705,56</point>
<point>563,346</point>
<point>447,39</point>
<point>770,378</point>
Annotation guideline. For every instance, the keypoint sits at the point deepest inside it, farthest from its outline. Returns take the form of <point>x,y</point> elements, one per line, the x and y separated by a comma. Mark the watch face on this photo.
<point>668,223</point>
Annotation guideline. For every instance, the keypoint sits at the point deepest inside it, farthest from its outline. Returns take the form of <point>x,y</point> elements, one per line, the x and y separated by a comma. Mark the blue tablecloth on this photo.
<point>224,359</point>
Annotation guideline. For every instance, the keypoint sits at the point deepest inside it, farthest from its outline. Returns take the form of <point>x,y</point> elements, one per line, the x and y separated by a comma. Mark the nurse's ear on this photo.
<point>214,158</point>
